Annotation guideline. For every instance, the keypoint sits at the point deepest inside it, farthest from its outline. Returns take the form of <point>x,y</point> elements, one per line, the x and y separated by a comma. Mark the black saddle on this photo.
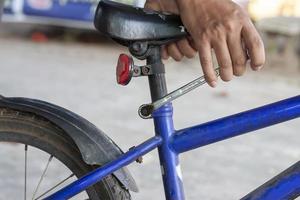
<point>127,24</point>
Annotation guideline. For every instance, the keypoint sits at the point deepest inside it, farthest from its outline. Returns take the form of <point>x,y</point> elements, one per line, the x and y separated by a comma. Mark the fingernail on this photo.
<point>258,68</point>
<point>213,84</point>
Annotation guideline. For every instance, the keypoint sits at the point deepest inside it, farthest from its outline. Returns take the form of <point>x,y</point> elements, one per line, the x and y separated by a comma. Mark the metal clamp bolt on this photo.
<point>139,159</point>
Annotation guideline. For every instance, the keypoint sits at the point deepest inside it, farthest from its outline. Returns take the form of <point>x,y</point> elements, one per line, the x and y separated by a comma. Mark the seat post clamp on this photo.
<point>148,70</point>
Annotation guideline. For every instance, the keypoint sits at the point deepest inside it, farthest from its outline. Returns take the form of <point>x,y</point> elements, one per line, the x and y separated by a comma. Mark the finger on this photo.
<point>237,54</point>
<point>153,5</point>
<point>164,53</point>
<point>254,45</point>
<point>167,6</point>
<point>192,43</point>
<point>186,49</point>
<point>205,56</point>
<point>223,56</point>
<point>174,52</point>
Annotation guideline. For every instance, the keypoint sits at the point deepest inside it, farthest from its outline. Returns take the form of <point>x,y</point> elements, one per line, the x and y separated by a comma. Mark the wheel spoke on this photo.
<point>25,173</point>
<point>42,177</point>
<point>55,186</point>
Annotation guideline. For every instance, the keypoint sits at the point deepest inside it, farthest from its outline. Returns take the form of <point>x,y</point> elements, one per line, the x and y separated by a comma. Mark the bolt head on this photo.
<point>139,160</point>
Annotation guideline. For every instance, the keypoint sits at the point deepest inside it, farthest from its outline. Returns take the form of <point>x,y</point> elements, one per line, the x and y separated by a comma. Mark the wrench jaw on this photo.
<point>146,110</point>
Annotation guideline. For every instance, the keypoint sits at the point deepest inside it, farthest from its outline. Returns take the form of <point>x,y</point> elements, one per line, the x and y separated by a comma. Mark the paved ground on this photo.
<point>81,78</point>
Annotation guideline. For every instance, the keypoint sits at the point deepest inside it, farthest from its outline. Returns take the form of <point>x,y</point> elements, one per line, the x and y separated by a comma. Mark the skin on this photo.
<point>218,25</point>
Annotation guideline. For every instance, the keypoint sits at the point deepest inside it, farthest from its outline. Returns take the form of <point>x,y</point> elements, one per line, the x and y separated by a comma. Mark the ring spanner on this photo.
<point>146,110</point>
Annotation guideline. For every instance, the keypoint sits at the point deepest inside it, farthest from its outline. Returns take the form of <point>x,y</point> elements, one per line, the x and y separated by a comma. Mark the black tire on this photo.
<point>27,128</point>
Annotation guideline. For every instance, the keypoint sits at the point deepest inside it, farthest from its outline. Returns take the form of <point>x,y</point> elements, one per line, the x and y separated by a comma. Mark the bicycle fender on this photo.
<point>95,146</point>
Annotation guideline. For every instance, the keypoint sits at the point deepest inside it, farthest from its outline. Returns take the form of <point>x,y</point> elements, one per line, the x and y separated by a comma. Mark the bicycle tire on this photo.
<point>27,128</point>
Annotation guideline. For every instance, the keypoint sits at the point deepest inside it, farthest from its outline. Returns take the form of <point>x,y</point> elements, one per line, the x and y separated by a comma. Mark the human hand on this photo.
<point>222,26</point>
<point>183,47</point>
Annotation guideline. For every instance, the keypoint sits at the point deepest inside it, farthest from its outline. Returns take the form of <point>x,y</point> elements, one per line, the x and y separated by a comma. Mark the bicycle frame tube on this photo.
<point>170,167</point>
<point>215,131</point>
<point>96,175</point>
<point>284,186</point>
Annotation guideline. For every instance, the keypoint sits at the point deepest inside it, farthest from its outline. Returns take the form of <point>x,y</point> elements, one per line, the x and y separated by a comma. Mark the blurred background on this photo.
<point>49,50</point>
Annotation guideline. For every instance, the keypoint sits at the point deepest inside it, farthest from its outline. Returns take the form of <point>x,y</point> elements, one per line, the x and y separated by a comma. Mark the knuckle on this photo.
<point>204,36</point>
<point>205,62</point>
<point>230,25</point>
<point>235,21</point>
<point>218,31</point>
<point>226,65</point>
<point>239,13</point>
<point>216,25</point>
<point>181,43</point>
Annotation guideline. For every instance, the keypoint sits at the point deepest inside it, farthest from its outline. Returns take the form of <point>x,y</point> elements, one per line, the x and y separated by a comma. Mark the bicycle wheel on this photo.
<point>34,133</point>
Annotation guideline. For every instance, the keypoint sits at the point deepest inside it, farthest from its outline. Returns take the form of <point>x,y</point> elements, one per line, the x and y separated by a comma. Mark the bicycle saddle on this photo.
<point>127,24</point>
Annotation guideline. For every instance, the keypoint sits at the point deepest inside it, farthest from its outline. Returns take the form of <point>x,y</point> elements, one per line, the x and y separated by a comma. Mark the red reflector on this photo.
<point>124,69</point>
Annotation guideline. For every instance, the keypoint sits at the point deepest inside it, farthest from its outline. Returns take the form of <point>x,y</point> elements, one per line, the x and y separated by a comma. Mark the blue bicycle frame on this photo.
<point>130,27</point>
<point>171,143</point>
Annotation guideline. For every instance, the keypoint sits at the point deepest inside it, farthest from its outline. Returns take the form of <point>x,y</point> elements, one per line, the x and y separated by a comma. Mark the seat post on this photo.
<point>157,82</point>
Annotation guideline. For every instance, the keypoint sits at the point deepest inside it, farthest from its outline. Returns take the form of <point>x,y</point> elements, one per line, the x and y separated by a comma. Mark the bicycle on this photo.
<point>82,148</point>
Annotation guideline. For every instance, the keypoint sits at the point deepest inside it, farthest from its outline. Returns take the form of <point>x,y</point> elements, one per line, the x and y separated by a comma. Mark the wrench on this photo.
<point>146,110</point>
